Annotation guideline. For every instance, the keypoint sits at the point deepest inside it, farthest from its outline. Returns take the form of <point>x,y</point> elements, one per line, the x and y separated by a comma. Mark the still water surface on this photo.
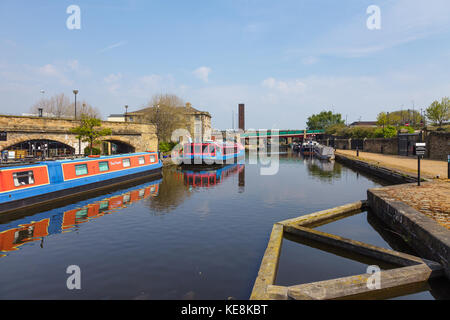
<point>187,236</point>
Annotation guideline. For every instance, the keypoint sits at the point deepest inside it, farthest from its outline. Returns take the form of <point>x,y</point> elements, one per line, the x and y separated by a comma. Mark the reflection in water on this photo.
<point>209,178</point>
<point>65,220</point>
<point>179,184</point>
<point>323,169</point>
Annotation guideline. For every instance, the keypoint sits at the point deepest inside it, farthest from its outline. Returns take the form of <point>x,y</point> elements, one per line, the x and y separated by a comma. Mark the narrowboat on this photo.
<point>26,185</point>
<point>323,152</point>
<point>211,153</point>
<point>308,148</point>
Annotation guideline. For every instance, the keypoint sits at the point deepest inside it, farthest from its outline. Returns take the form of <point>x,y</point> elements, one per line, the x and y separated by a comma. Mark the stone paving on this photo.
<point>431,199</point>
<point>429,168</point>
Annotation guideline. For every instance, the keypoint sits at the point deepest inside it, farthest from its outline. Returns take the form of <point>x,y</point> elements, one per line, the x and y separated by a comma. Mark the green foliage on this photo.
<point>399,118</point>
<point>94,150</point>
<point>88,132</point>
<point>386,132</point>
<point>335,128</point>
<point>405,129</point>
<point>360,132</point>
<point>323,120</point>
<point>439,112</point>
<point>166,146</point>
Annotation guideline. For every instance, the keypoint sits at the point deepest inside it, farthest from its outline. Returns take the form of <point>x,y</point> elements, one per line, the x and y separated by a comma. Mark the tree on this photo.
<point>438,112</point>
<point>168,113</point>
<point>60,106</point>
<point>88,132</point>
<point>386,132</point>
<point>323,120</point>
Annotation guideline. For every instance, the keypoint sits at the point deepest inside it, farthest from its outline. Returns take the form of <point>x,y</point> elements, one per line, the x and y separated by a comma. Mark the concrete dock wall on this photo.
<point>425,235</point>
<point>378,171</point>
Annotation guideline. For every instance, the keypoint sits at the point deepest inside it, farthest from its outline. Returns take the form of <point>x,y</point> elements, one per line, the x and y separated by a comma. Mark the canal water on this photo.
<point>189,235</point>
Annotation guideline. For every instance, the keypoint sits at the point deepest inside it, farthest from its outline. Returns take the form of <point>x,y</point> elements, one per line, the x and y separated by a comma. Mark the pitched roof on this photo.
<point>187,109</point>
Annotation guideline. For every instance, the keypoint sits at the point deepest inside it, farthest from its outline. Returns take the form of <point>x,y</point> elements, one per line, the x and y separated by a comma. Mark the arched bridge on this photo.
<point>52,137</point>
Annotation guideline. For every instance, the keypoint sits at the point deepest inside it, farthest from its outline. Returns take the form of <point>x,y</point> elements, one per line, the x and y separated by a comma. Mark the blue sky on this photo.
<point>284,59</point>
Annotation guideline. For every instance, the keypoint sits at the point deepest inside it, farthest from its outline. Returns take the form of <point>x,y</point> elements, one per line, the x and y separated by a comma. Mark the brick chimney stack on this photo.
<point>242,116</point>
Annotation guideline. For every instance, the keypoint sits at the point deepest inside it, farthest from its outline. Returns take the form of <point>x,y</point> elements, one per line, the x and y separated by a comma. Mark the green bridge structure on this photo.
<point>287,136</point>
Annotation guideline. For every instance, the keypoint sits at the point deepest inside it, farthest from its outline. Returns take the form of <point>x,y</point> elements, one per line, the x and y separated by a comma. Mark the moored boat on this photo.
<point>308,148</point>
<point>210,153</point>
<point>22,186</point>
<point>324,152</point>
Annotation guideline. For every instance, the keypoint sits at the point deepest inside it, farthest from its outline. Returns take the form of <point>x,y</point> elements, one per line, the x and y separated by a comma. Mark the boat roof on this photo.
<point>84,159</point>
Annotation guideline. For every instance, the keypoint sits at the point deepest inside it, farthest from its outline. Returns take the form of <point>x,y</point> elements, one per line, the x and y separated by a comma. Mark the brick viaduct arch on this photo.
<point>140,137</point>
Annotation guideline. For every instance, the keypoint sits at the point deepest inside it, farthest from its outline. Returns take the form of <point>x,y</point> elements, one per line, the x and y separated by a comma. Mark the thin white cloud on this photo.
<point>115,45</point>
<point>202,73</point>
<point>402,21</point>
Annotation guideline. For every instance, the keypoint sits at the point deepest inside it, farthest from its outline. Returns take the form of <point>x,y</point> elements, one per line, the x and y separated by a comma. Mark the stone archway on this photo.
<point>116,146</point>
<point>38,146</point>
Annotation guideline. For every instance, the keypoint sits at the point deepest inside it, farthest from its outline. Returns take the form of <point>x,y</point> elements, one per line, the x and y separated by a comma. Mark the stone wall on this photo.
<point>425,235</point>
<point>342,144</point>
<point>438,145</point>
<point>381,145</point>
<point>19,129</point>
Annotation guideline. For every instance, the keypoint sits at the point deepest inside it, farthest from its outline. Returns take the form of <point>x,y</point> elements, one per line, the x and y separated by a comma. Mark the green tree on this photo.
<point>88,132</point>
<point>324,120</point>
<point>386,132</point>
<point>438,112</point>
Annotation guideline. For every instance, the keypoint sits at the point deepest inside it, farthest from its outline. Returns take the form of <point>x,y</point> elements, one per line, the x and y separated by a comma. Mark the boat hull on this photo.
<point>64,194</point>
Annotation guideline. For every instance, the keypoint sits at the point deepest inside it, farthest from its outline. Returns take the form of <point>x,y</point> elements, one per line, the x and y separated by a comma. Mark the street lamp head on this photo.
<point>75,91</point>
<point>42,91</point>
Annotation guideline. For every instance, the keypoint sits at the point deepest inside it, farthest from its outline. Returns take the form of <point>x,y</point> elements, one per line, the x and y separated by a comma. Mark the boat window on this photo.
<point>103,166</point>
<point>152,158</point>
<point>197,148</point>
<point>23,178</point>
<point>205,149</point>
<point>82,213</point>
<point>141,160</point>
<point>126,162</point>
<point>81,169</point>
<point>104,205</point>
<point>212,149</point>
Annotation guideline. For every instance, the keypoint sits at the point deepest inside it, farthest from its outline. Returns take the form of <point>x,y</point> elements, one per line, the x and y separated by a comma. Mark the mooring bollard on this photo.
<point>357,151</point>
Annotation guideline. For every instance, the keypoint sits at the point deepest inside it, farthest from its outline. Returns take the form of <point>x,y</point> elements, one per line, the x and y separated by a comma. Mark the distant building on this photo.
<point>198,122</point>
<point>117,118</point>
<point>363,124</point>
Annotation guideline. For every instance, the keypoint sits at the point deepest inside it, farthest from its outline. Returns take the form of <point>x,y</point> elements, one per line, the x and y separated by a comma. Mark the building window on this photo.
<point>152,158</point>
<point>141,160</point>
<point>103,166</point>
<point>126,162</point>
<point>23,178</point>
<point>81,169</point>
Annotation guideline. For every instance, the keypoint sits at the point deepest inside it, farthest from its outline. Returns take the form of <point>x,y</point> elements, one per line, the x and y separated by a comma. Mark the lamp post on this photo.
<point>75,92</point>
<point>126,113</point>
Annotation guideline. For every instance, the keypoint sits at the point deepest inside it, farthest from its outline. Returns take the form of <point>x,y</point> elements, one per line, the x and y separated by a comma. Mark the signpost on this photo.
<point>420,151</point>
<point>448,169</point>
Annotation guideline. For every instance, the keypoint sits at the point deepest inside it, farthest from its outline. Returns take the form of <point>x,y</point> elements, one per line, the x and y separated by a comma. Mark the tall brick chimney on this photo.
<point>242,116</point>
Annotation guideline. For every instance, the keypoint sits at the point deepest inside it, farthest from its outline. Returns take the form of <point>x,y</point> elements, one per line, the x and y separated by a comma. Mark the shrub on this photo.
<point>95,151</point>
<point>386,132</point>
<point>166,146</point>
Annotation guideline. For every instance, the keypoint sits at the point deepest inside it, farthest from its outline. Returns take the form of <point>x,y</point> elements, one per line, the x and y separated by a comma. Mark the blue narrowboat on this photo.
<point>26,185</point>
<point>211,153</point>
